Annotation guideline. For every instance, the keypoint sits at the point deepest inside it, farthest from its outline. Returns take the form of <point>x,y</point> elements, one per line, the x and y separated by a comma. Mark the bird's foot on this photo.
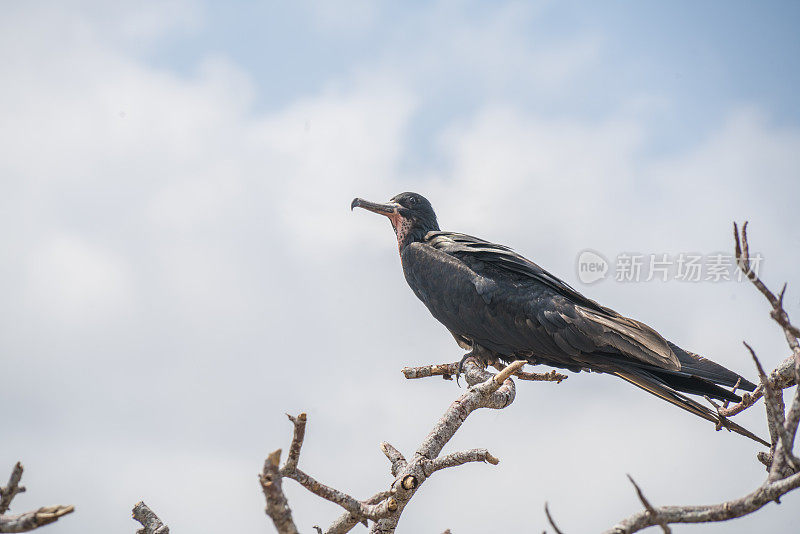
<point>479,353</point>
<point>460,367</point>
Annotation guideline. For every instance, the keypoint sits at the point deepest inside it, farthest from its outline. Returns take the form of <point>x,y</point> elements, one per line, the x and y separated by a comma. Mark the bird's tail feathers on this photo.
<point>662,391</point>
<point>695,365</point>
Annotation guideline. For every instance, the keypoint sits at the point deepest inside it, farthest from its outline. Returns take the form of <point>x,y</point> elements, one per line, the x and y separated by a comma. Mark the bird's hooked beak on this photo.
<point>390,209</point>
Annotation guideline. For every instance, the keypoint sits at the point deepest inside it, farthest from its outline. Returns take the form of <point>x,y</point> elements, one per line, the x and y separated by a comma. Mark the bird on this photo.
<point>500,306</point>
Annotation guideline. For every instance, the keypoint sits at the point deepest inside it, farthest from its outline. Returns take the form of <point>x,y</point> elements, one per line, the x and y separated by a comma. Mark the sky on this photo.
<point>180,268</point>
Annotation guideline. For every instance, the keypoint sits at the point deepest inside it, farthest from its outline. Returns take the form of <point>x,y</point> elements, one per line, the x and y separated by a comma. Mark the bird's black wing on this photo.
<point>542,304</point>
<point>496,298</point>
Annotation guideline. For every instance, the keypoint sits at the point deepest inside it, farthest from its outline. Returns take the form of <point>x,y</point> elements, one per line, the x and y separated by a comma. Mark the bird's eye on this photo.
<point>412,200</point>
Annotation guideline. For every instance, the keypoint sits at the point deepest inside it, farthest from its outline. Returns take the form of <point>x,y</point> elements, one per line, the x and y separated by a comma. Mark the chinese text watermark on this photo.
<point>682,267</point>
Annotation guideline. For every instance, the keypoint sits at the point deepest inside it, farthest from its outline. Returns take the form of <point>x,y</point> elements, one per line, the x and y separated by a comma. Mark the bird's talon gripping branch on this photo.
<point>460,368</point>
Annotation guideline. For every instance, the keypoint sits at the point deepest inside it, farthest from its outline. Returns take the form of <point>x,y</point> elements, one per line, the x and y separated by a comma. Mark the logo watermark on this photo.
<point>592,267</point>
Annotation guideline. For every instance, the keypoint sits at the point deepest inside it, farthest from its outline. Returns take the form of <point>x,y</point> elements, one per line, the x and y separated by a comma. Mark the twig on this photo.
<point>748,399</point>
<point>297,440</point>
<point>781,377</point>
<point>550,376</point>
<point>352,505</point>
<point>395,457</point>
<point>767,492</point>
<point>447,370</point>
<point>9,491</point>
<point>29,520</point>
<point>551,520</point>
<point>358,508</point>
<point>33,520</point>
<point>347,521</point>
<point>726,402</point>
<point>459,458</point>
<point>151,524</point>
<point>775,415</point>
<point>776,420</point>
<point>793,419</point>
<point>271,484</point>
<point>649,507</point>
<point>742,249</point>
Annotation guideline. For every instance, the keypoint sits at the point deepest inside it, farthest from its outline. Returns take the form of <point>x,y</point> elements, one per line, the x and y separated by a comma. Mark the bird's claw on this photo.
<point>460,367</point>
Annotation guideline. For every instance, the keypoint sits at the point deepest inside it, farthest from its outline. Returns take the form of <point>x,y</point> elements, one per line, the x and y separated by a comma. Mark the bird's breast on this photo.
<point>456,295</point>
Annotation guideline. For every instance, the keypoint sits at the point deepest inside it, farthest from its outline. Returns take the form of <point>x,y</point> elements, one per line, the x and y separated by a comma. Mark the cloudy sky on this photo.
<point>179,265</point>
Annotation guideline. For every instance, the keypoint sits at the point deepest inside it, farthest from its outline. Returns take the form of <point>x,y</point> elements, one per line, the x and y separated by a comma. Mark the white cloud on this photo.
<point>76,282</point>
<point>542,170</point>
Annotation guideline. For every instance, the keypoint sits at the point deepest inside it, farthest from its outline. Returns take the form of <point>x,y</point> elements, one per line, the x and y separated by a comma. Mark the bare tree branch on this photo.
<point>551,520</point>
<point>29,520</point>
<point>459,458</point>
<point>9,491</point>
<point>351,504</point>
<point>271,484</point>
<point>445,370</point>
<point>347,521</point>
<point>776,420</point>
<point>384,509</point>
<point>297,440</point>
<point>33,520</point>
<point>783,466</point>
<point>781,377</point>
<point>650,509</point>
<point>778,313</point>
<point>150,522</point>
<point>359,509</point>
<point>448,370</point>
<point>486,391</point>
<point>767,492</point>
<point>396,457</point>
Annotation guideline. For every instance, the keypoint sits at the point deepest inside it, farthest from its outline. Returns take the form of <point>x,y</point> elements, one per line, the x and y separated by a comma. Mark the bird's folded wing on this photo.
<point>575,322</point>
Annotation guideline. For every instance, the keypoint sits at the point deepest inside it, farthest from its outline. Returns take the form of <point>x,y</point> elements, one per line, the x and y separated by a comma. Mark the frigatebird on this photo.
<point>501,306</point>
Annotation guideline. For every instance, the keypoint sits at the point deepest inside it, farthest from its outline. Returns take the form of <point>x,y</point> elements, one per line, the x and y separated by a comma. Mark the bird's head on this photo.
<point>411,216</point>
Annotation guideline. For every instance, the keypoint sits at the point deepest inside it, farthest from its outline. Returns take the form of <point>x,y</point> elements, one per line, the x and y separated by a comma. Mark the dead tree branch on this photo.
<point>551,520</point>
<point>448,370</point>
<point>9,491</point>
<point>151,524</point>
<point>650,509</point>
<point>778,313</point>
<point>29,520</point>
<point>384,509</point>
<point>764,494</point>
<point>272,485</point>
<point>459,458</point>
<point>783,466</point>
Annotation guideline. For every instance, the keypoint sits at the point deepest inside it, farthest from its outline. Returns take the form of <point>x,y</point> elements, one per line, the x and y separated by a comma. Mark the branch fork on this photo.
<point>29,520</point>
<point>486,390</point>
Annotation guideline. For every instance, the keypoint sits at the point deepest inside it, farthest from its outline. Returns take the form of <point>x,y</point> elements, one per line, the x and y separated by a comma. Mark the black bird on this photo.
<point>499,305</point>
